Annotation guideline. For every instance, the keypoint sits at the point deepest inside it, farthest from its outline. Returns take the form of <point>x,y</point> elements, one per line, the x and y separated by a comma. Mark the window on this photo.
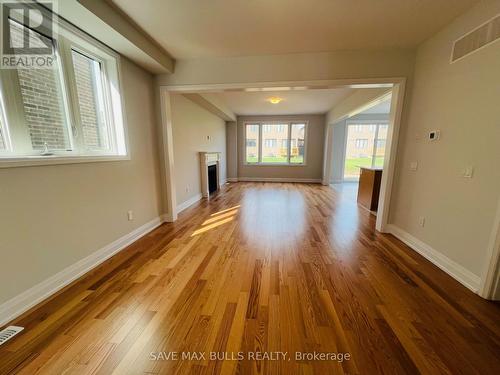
<point>280,143</point>
<point>365,147</point>
<point>380,142</point>
<point>252,146</point>
<point>72,109</point>
<point>41,97</point>
<point>90,91</point>
<point>297,139</point>
<point>272,141</point>
<point>361,143</point>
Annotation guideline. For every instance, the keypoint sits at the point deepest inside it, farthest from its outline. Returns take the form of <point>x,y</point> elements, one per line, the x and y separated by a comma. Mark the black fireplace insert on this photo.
<point>212,178</point>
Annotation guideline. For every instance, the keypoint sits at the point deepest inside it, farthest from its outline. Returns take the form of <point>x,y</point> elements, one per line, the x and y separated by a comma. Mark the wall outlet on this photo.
<point>421,221</point>
<point>188,188</point>
<point>413,166</point>
<point>434,135</point>
<point>130,215</point>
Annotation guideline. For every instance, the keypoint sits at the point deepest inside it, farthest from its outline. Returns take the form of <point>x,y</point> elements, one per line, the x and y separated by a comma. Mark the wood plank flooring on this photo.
<point>260,270</point>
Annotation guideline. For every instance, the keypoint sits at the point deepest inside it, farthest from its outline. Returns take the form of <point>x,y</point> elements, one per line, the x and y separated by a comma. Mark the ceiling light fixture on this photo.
<point>274,99</point>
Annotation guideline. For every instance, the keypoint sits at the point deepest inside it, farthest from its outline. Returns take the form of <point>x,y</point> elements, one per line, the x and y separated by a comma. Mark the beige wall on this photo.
<point>462,100</point>
<point>292,67</point>
<point>232,149</point>
<point>191,124</point>
<point>314,150</point>
<point>53,216</point>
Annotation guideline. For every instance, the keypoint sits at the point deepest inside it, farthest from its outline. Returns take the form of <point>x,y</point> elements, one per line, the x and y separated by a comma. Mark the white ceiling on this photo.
<point>213,28</point>
<point>294,102</point>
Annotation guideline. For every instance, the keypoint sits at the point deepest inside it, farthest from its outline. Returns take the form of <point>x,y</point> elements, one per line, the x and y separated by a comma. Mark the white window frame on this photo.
<point>4,129</point>
<point>260,141</point>
<point>67,38</point>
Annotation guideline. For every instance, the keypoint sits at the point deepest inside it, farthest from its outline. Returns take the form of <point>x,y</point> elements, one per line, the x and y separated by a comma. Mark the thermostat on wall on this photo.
<point>434,135</point>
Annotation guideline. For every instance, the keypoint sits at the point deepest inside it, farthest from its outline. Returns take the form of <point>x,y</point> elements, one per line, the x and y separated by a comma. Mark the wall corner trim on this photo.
<point>21,303</point>
<point>452,268</point>
<point>166,218</point>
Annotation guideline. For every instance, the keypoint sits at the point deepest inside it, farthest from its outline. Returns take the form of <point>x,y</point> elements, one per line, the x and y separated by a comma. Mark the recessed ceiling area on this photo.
<point>194,28</point>
<point>381,108</point>
<point>294,102</point>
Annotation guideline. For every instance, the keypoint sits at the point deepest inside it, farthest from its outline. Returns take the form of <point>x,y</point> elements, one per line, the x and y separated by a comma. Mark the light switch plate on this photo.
<point>421,221</point>
<point>413,166</point>
<point>468,172</point>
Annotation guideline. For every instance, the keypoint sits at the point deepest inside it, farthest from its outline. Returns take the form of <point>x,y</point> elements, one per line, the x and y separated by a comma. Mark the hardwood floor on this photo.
<point>266,268</point>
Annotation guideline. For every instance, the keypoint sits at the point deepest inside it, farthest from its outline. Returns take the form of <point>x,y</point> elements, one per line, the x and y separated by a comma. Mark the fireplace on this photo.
<point>210,173</point>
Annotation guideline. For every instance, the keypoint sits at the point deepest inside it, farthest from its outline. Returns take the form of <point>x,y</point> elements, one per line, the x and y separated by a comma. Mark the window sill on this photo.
<point>34,161</point>
<point>274,165</point>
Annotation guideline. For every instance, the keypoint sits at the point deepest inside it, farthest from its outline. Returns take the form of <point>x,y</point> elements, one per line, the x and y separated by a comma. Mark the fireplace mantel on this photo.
<point>207,159</point>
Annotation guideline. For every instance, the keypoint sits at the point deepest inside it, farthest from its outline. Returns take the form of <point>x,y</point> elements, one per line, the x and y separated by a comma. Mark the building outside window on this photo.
<point>365,147</point>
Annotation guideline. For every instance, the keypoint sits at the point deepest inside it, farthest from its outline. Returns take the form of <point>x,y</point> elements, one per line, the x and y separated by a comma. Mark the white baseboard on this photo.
<point>232,179</point>
<point>189,202</point>
<point>31,297</point>
<point>279,179</point>
<point>452,268</point>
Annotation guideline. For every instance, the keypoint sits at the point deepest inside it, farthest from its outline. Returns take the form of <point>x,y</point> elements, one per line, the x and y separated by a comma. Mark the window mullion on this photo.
<point>289,141</point>
<point>260,143</point>
<point>71,95</point>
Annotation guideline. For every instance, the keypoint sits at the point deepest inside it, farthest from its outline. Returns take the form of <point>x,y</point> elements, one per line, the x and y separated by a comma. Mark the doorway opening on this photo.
<point>359,150</point>
<point>395,85</point>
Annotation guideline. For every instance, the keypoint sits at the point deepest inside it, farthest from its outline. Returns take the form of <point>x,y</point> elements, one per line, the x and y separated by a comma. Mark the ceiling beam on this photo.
<point>212,104</point>
<point>116,19</point>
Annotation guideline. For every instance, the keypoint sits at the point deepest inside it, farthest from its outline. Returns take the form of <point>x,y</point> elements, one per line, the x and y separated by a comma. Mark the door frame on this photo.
<point>394,122</point>
<point>398,85</point>
<point>491,269</point>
